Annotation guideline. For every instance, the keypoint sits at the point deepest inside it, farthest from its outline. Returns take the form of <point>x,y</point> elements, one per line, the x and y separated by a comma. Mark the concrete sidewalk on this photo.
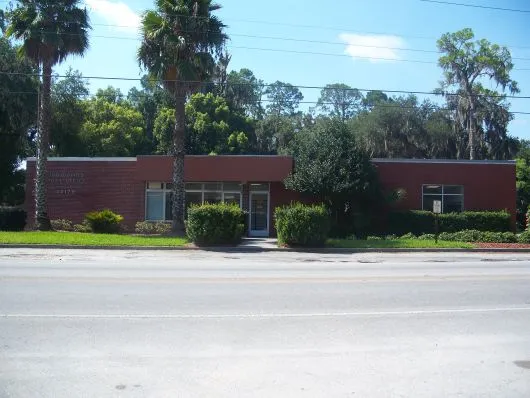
<point>259,243</point>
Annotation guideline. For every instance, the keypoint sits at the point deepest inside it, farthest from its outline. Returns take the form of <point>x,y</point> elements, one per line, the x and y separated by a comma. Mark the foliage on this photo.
<point>331,168</point>
<point>470,235</point>
<point>284,98</point>
<point>524,237</point>
<point>104,221</point>
<point>340,100</point>
<point>111,128</point>
<point>12,218</point>
<point>523,184</point>
<point>151,228</point>
<point>244,91</point>
<point>88,239</point>
<point>50,31</point>
<point>181,40</point>
<point>218,223</point>
<point>84,227</point>
<point>464,63</point>
<point>62,225</point>
<point>302,225</point>
<point>68,114</point>
<point>17,116</point>
<point>419,222</point>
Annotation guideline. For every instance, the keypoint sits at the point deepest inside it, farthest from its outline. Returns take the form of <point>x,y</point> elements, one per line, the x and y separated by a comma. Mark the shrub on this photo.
<point>427,237</point>
<point>12,219</point>
<point>421,222</point>
<point>218,223</point>
<point>84,227</point>
<point>409,235</point>
<point>62,225</point>
<point>479,236</point>
<point>104,221</point>
<point>302,225</point>
<point>374,237</point>
<point>528,219</point>
<point>152,228</point>
<point>524,237</point>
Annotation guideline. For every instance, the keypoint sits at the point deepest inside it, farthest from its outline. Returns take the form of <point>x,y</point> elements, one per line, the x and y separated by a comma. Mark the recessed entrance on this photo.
<point>259,211</point>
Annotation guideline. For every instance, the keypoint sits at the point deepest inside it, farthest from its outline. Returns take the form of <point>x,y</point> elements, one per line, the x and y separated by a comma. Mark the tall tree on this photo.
<point>50,31</point>
<point>340,100</point>
<point>181,40</point>
<point>244,91</point>
<point>284,98</point>
<point>68,114</point>
<point>17,115</point>
<point>464,63</point>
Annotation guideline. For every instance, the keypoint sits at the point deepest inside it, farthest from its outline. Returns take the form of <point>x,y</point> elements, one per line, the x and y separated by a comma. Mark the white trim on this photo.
<point>257,233</point>
<point>445,161</point>
<point>82,159</point>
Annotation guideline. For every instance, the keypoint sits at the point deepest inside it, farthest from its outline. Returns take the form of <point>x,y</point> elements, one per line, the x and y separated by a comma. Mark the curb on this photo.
<point>253,249</point>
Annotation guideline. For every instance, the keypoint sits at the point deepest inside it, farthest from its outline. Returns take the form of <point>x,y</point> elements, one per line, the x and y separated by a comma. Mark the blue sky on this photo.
<point>351,26</point>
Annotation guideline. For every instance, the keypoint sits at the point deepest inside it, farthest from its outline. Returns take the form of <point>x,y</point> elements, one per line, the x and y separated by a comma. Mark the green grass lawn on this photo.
<point>396,244</point>
<point>87,239</point>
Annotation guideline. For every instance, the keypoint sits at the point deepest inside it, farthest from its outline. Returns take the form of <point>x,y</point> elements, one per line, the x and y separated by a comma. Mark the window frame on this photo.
<point>164,190</point>
<point>442,195</point>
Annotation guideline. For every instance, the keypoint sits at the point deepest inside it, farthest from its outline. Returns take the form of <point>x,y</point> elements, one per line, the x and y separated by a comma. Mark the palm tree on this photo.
<point>181,41</point>
<point>50,31</point>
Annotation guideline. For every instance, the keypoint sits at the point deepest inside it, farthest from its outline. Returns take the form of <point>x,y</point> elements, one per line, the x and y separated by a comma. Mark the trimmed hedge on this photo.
<point>422,222</point>
<point>524,237</point>
<point>104,221</point>
<point>12,219</point>
<point>215,224</point>
<point>302,225</point>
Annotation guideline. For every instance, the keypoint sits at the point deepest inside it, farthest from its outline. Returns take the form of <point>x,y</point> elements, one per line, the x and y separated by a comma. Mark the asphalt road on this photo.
<point>205,324</point>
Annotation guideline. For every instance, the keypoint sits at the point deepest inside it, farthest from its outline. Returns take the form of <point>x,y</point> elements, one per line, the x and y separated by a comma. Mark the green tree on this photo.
<point>111,129</point>
<point>68,114</point>
<point>523,183</point>
<point>17,115</point>
<point>244,91</point>
<point>464,63</point>
<point>212,126</point>
<point>340,100</point>
<point>332,168</point>
<point>284,98</point>
<point>180,41</point>
<point>50,31</point>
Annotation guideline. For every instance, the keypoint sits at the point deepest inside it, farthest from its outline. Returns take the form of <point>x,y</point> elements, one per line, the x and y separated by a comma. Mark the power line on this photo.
<point>292,40</point>
<point>305,87</point>
<point>259,101</point>
<point>475,6</point>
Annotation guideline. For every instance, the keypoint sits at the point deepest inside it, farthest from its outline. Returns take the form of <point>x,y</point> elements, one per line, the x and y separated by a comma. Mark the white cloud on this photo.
<point>375,48</point>
<point>116,13</point>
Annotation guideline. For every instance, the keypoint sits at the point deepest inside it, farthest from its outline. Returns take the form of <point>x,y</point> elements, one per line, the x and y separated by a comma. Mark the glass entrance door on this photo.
<point>259,214</point>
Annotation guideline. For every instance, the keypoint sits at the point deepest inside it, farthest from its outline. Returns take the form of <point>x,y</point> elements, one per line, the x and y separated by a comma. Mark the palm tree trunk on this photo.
<point>42,221</point>
<point>178,152</point>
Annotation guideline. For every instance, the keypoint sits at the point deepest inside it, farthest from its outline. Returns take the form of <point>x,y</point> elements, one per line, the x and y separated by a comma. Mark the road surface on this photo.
<point>79,323</point>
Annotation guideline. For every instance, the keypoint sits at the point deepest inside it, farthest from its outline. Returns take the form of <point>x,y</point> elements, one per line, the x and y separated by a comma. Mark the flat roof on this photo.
<point>443,161</point>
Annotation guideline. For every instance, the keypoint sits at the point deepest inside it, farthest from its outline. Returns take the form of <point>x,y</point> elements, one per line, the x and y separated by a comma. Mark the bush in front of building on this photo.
<point>62,225</point>
<point>104,221</point>
<point>84,227</point>
<point>528,219</point>
<point>302,225</point>
<point>479,236</point>
<point>524,237</point>
<point>12,218</point>
<point>152,228</point>
<point>215,224</point>
<point>421,222</point>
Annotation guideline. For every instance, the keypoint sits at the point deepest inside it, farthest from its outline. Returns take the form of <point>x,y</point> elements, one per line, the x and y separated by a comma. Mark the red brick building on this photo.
<point>140,188</point>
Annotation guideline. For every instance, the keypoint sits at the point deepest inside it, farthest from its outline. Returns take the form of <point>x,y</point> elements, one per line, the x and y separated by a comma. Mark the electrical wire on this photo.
<point>475,6</point>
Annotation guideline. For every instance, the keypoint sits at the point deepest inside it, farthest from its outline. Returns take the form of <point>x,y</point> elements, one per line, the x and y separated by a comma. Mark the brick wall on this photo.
<point>77,187</point>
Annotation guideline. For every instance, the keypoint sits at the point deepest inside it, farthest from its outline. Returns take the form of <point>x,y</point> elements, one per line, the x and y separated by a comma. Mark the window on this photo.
<point>158,200</point>
<point>451,196</point>
<point>159,197</point>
